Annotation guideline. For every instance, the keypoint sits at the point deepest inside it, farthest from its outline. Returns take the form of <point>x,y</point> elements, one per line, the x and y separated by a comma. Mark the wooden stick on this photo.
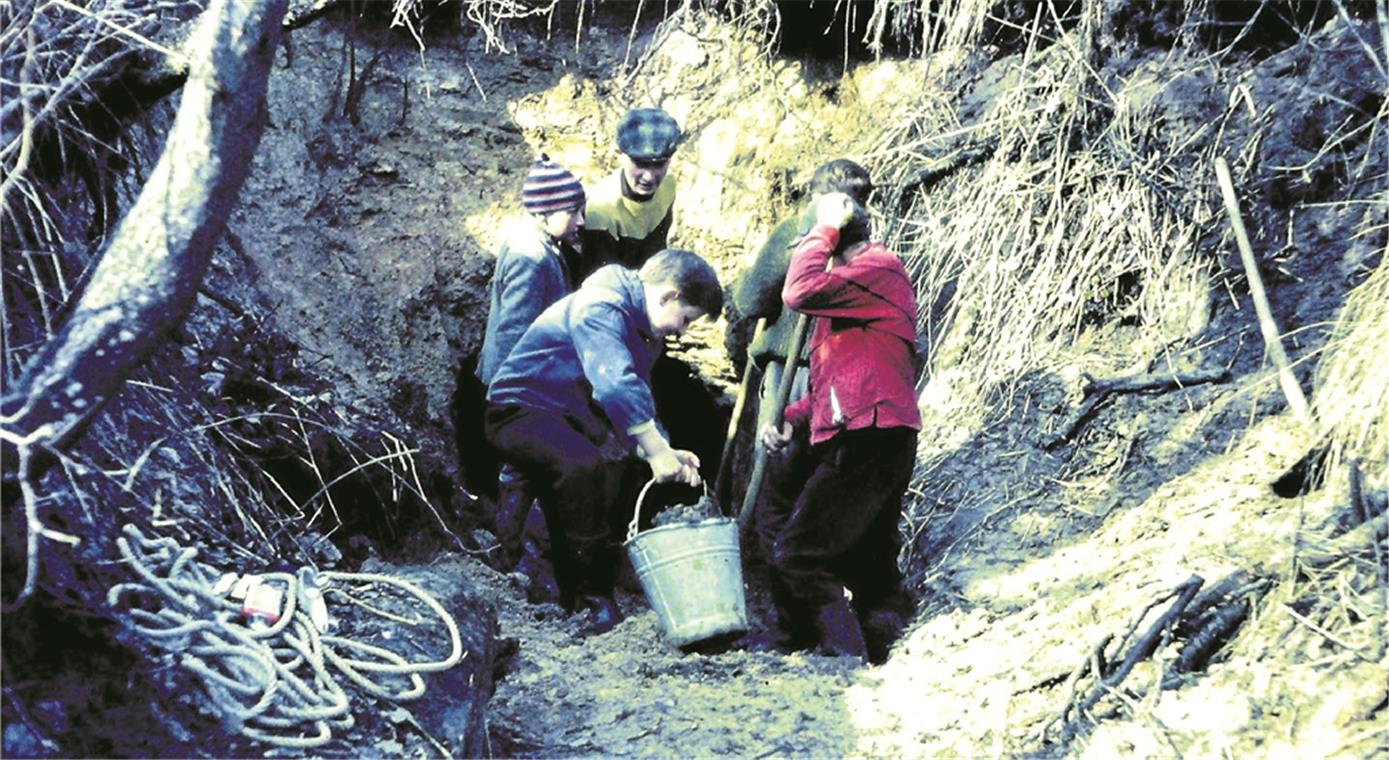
<point>1363,536</point>
<point>1097,391</point>
<point>1142,648</point>
<point>1272,340</point>
<point>1156,381</point>
<point>725,463</point>
<point>783,394</point>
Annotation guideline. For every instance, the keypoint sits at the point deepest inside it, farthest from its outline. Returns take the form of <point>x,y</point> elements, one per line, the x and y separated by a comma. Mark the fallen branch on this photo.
<point>1211,598</point>
<point>148,276</point>
<point>1219,625</point>
<point>938,171</point>
<point>301,15</point>
<point>1210,620</point>
<point>1097,391</point>
<point>1366,536</point>
<point>1094,661</point>
<point>1272,340</point>
<point>1146,644</point>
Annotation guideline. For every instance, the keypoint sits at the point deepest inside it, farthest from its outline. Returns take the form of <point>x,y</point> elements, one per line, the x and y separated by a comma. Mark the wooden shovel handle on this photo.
<point>783,395</point>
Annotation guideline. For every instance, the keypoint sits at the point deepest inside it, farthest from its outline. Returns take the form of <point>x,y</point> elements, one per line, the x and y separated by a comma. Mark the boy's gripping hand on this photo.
<point>775,439</point>
<point>668,465</point>
<point>834,209</point>
<point>675,466</point>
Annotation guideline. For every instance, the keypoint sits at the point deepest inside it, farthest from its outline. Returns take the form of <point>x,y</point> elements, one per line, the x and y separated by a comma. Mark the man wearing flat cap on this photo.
<point>629,213</point>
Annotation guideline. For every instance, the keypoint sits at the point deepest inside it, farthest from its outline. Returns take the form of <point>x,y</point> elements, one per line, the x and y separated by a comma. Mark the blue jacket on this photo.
<point>588,356</point>
<point>531,273</point>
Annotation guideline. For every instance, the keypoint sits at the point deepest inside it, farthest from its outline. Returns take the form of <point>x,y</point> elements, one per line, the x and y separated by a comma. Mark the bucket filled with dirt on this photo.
<point>690,570</point>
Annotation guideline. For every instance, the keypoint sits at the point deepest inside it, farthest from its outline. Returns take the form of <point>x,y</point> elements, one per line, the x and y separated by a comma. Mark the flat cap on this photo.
<point>648,134</point>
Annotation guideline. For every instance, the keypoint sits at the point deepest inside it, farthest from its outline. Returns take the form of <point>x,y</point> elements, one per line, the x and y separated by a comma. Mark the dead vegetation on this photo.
<point>1080,202</point>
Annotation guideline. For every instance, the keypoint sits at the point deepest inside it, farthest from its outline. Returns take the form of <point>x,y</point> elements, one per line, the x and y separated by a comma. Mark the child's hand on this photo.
<point>834,209</point>
<point>675,466</point>
<point>689,459</point>
<point>776,440</point>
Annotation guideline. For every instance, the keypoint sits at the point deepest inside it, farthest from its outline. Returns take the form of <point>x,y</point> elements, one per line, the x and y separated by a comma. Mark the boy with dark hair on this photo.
<point>577,387</point>
<point>630,212</point>
<point>863,421</point>
<point>758,295</point>
<point>533,270</point>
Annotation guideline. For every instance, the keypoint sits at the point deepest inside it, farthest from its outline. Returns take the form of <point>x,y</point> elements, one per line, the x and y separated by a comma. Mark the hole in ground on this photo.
<point>1304,477</point>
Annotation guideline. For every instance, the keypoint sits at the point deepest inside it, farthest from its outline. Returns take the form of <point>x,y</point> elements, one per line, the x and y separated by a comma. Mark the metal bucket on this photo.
<point>692,575</point>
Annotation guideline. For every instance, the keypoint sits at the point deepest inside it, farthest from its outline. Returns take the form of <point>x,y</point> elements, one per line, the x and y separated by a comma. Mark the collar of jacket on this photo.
<point>632,295</point>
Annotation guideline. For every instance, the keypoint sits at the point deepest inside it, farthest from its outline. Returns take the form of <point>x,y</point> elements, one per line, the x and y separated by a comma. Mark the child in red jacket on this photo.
<point>863,420</point>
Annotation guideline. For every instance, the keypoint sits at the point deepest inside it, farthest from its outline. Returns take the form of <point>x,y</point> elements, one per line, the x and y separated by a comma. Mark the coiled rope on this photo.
<point>271,684</point>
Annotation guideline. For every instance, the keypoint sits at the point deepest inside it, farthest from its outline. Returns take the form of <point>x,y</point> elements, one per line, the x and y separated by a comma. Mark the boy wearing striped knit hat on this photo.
<point>533,270</point>
<point>533,264</point>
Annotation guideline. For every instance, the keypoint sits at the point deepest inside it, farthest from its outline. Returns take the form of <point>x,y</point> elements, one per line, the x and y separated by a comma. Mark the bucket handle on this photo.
<point>641,497</point>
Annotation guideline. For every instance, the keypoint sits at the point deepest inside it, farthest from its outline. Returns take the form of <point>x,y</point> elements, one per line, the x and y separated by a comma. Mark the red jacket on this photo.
<point>862,361</point>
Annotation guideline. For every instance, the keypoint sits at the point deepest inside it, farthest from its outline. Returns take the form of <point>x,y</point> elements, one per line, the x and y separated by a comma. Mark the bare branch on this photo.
<point>147,278</point>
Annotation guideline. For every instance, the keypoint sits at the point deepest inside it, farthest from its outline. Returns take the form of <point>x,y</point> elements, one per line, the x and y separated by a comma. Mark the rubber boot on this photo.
<point>881,629</point>
<point>513,504</point>
<point>542,586</point>
<point>792,629</point>
<point>603,611</point>
<point>883,618</point>
<point>840,633</point>
<point>594,570</point>
<point>773,639</point>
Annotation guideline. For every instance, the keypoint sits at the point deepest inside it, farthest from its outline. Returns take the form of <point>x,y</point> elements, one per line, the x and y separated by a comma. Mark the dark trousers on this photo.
<point>785,472</point>
<point>842,531</point>
<point>577,486</point>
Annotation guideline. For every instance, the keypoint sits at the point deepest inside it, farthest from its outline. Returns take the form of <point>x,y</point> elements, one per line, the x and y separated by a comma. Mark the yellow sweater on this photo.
<point>622,230</point>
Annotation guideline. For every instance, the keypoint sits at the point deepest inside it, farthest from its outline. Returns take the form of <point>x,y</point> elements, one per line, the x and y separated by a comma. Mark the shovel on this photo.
<point>783,394</point>
<point>725,463</point>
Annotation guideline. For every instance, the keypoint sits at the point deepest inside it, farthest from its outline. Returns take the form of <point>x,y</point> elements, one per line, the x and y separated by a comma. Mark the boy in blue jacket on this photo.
<point>571,405</point>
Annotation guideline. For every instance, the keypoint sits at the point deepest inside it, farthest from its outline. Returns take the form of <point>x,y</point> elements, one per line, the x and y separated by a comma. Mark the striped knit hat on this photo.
<point>550,187</point>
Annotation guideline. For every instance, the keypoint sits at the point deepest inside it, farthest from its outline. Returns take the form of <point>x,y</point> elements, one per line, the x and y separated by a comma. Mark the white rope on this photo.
<point>272,683</point>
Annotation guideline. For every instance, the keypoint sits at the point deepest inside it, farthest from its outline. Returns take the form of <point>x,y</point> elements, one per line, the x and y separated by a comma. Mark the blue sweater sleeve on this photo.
<point>600,336</point>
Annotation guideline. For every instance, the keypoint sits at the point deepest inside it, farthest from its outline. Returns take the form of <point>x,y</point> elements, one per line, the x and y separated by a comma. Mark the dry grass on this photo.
<point>164,454</point>
<point>1015,258</point>
<point>252,483</point>
<point>1057,216</point>
<point>1070,205</point>
<point>490,17</point>
<point>1352,382</point>
<point>59,182</point>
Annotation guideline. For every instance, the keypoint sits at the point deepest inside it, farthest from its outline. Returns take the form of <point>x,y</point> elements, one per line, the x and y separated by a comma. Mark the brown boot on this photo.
<point>840,633</point>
